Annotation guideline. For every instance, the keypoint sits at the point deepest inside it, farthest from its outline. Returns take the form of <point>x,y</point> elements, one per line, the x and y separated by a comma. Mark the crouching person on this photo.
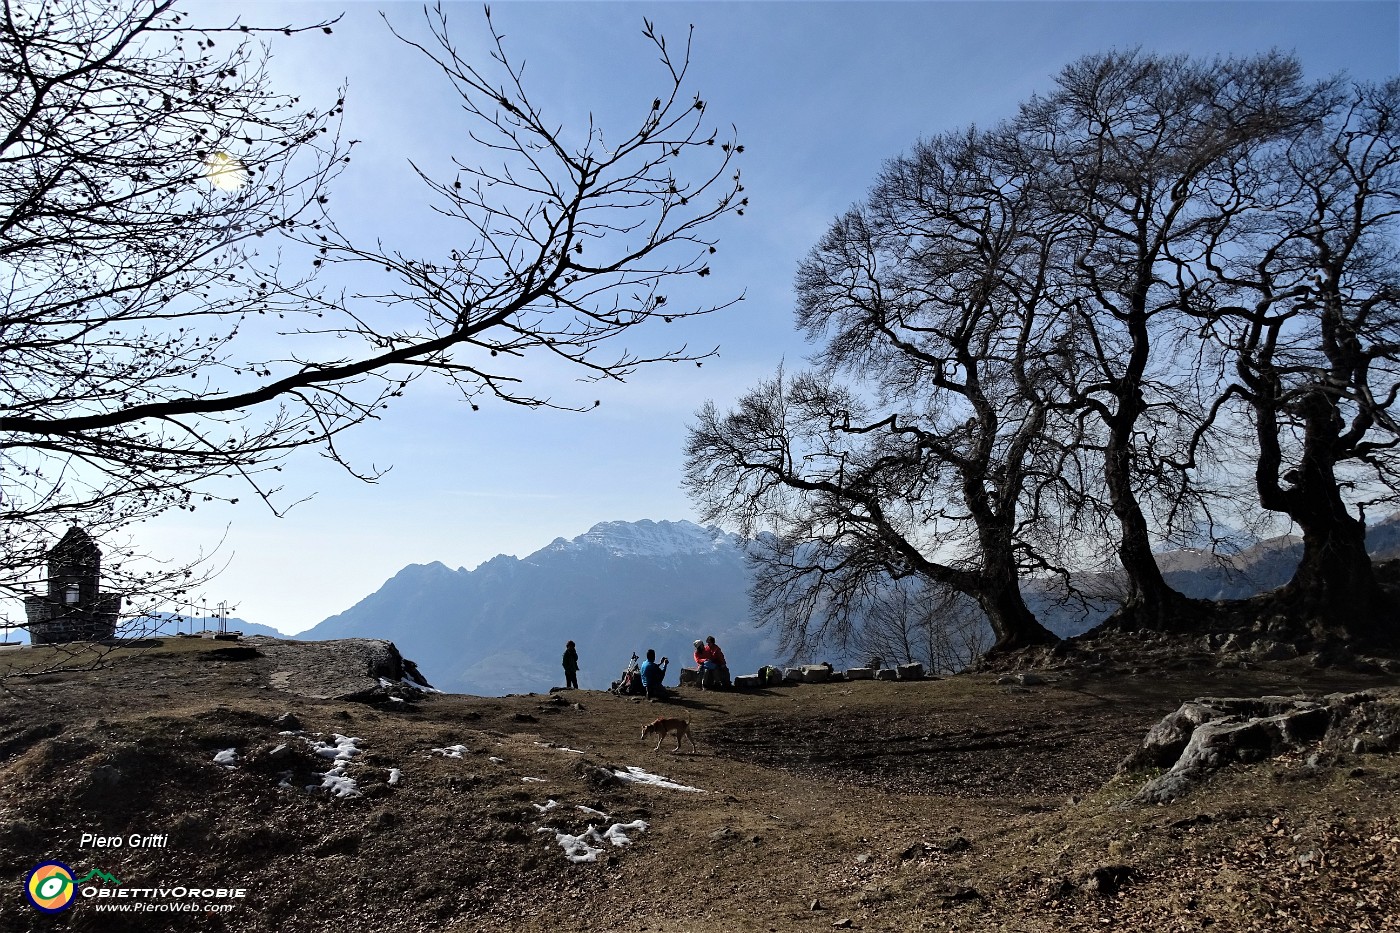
<point>653,673</point>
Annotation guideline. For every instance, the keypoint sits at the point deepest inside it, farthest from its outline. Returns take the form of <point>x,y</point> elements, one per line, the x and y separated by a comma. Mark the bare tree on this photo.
<point>934,298</point>
<point>128,271</point>
<point>147,177</point>
<point>1135,150</point>
<point>910,621</point>
<point>1315,340</point>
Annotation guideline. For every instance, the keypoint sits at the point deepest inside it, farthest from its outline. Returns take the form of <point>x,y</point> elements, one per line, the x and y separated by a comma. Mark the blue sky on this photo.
<point>821,94</point>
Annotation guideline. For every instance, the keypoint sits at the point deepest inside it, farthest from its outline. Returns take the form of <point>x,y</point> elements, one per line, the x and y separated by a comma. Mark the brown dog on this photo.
<point>664,727</point>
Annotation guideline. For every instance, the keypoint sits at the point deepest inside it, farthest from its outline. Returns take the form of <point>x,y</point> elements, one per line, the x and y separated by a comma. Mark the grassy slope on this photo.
<point>956,804</point>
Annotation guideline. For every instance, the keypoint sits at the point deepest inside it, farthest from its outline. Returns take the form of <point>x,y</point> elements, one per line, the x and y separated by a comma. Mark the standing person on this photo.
<point>653,674</point>
<point>713,653</point>
<point>570,667</point>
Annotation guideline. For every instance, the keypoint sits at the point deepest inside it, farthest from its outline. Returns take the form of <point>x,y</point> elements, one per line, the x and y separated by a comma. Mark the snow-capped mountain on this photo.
<point>619,588</point>
<point>623,587</point>
<point>652,540</point>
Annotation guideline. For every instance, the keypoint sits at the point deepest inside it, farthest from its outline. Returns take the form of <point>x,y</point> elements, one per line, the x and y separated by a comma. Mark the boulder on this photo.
<point>816,673</point>
<point>886,673</point>
<point>360,669</point>
<point>860,673</point>
<point>794,675</point>
<point>1271,651</point>
<point>912,671</point>
<point>1209,733</point>
<point>747,682</point>
<point>690,677</point>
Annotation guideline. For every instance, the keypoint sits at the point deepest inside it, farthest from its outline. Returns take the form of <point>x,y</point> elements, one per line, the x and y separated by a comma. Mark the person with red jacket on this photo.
<point>714,672</point>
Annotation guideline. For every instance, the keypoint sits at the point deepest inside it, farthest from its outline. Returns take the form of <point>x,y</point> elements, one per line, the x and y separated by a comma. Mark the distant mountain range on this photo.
<point>617,589</point>
<point>628,586</point>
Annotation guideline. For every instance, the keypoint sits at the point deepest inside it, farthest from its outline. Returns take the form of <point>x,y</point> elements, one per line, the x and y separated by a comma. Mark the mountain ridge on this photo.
<point>622,587</point>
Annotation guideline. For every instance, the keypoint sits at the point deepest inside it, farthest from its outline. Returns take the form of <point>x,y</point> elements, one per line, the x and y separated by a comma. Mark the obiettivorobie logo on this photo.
<point>50,886</point>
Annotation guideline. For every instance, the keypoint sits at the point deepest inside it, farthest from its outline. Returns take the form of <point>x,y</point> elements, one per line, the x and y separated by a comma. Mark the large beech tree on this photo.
<point>934,300</point>
<point>1072,334</point>
<point>1310,316</point>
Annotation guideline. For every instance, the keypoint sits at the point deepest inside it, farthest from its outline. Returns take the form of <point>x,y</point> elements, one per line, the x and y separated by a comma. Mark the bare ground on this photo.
<point>959,804</point>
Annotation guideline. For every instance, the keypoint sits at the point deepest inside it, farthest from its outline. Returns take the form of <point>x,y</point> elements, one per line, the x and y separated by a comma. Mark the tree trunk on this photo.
<point>1335,586</point>
<point>1011,619</point>
<point>1150,602</point>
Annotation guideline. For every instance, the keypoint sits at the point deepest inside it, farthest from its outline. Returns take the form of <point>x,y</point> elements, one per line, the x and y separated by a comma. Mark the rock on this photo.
<point>794,675</point>
<point>950,845</point>
<point>886,674</point>
<point>1030,680</point>
<point>1366,745</point>
<point>690,677</point>
<point>860,673</point>
<point>359,669</point>
<point>287,722</point>
<point>816,673</point>
<point>816,904</point>
<point>1167,741</point>
<point>1108,879</point>
<point>747,682</point>
<point>911,671</point>
<point>865,858</point>
<point>1271,651</point>
<point>1208,733</point>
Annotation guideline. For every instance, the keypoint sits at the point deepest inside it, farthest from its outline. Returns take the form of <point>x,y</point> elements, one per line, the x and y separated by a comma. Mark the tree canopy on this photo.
<point>166,240</point>
<point>1159,298</point>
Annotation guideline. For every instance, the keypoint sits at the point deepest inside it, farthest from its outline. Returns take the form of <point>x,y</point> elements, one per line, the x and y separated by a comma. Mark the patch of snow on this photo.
<point>532,780</point>
<point>228,758</point>
<point>546,806</point>
<point>451,751</point>
<point>338,783</point>
<point>616,835</point>
<point>592,812</point>
<point>498,761</point>
<point>395,775</point>
<point>341,752</point>
<point>638,776</point>
<point>578,848</point>
<point>343,748</point>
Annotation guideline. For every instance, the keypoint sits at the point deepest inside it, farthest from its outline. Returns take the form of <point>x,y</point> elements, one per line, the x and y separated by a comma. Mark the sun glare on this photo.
<point>225,172</point>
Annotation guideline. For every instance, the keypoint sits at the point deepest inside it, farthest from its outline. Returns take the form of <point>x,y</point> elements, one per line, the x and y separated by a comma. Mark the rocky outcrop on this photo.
<point>1206,734</point>
<point>342,669</point>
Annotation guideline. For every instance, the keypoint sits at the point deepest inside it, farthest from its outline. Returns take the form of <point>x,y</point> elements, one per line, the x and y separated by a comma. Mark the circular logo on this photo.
<point>50,887</point>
